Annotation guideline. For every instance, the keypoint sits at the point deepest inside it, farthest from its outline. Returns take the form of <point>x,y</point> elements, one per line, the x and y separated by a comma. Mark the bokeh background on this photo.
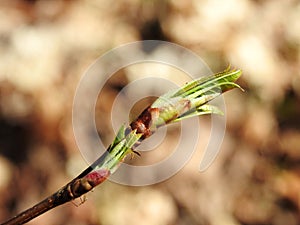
<point>46,46</point>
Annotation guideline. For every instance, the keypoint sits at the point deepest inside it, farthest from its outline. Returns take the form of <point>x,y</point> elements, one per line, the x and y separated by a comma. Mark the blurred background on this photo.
<point>46,46</point>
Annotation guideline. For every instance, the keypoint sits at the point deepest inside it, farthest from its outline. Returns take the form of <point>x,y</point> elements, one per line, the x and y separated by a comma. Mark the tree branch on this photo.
<point>187,101</point>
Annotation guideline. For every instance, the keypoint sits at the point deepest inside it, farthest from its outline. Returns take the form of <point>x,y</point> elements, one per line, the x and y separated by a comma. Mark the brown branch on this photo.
<point>74,189</point>
<point>158,114</point>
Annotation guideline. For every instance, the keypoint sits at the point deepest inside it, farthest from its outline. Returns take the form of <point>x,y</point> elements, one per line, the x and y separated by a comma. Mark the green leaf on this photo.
<point>217,83</point>
<point>187,100</point>
<point>120,135</point>
<point>201,110</point>
<point>120,147</point>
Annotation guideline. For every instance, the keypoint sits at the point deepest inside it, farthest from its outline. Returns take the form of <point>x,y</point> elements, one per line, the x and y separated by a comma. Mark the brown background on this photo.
<point>45,47</point>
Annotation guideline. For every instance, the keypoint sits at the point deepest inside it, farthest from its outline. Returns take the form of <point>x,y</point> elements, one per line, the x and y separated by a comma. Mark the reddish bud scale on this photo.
<point>143,124</point>
<point>96,177</point>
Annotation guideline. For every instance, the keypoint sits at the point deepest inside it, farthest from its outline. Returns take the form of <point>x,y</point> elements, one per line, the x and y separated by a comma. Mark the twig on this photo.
<point>190,100</point>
